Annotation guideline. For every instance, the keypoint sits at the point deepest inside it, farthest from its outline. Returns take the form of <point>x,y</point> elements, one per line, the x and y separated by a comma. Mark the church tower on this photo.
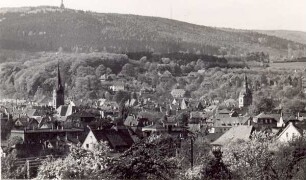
<point>245,95</point>
<point>58,93</point>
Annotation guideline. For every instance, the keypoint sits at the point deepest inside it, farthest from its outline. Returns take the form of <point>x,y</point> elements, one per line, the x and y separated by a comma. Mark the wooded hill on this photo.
<point>49,28</point>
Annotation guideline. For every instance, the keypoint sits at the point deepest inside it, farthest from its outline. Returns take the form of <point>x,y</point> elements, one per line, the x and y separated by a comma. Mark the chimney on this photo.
<point>249,122</point>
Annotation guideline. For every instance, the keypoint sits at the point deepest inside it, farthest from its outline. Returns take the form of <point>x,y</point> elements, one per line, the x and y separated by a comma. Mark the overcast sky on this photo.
<point>241,14</point>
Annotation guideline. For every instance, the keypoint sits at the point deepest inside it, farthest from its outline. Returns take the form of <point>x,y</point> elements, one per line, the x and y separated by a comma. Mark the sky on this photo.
<point>239,14</point>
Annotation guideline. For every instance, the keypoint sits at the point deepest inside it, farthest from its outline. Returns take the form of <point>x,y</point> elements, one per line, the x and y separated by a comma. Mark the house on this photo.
<point>131,102</point>
<point>38,136</point>
<point>196,117</point>
<point>290,132</point>
<point>222,125</point>
<point>156,128</point>
<point>25,123</point>
<point>147,90</point>
<point>105,77</point>
<point>63,111</point>
<point>116,139</point>
<point>241,132</point>
<point>286,118</point>
<point>166,76</point>
<point>135,125</point>
<point>184,104</point>
<point>4,118</point>
<point>80,119</point>
<point>178,93</point>
<point>223,113</point>
<point>119,86</point>
<point>263,121</point>
<point>199,106</point>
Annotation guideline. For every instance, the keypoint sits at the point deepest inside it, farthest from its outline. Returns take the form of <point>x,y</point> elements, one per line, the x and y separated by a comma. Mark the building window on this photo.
<point>287,134</point>
<point>87,146</point>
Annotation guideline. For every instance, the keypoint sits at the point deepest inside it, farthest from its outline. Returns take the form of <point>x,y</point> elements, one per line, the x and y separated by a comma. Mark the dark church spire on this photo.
<point>59,81</point>
<point>245,81</point>
<point>58,94</point>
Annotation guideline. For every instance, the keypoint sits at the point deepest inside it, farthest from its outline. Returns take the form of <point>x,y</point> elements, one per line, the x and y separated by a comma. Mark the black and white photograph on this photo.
<point>153,89</point>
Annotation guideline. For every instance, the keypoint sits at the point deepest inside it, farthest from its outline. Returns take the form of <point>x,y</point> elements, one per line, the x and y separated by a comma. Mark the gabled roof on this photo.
<point>300,130</point>
<point>231,121</point>
<point>130,120</point>
<point>82,114</point>
<point>167,73</point>
<point>154,127</point>
<point>25,121</point>
<point>103,77</point>
<point>197,114</point>
<point>62,110</point>
<point>46,122</point>
<point>242,132</point>
<point>224,111</point>
<point>66,110</point>
<point>116,139</point>
<point>266,116</point>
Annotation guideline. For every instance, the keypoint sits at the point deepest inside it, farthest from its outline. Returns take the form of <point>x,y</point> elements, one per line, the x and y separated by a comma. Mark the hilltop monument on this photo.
<point>62,4</point>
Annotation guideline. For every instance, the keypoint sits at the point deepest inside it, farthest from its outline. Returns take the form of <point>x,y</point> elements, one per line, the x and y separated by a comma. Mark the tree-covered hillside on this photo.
<point>297,36</point>
<point>49,28</point>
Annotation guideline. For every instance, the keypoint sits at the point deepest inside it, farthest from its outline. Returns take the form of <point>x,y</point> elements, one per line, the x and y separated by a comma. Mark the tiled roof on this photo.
<point>223,111</point>
<point>62,110</point>
<point>263,115</point>
<point>154,127</point>
<point>115,138</point>
<point>230,121</point>
<point>242,132</point>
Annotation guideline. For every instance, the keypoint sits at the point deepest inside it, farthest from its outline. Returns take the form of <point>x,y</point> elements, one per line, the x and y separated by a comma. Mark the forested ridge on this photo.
<point>48,28</point>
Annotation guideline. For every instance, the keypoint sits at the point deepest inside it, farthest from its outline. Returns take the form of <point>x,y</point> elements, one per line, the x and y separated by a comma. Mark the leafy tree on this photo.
<point>121,96</point>
<point>261,104</point>
<point>84,71</point>
<point>252,156</point>
<point>216,169</point>
<point>294,106</point>
<point>12,141</point>
<point>150,159</point>
<point>109,71</point>
<point>9,170</point>
<point>128,70</point>
<point>100,70</point>
<point>79,164</point>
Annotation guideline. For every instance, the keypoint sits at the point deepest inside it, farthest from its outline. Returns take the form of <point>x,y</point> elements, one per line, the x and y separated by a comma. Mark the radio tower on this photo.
<point>62,4</point>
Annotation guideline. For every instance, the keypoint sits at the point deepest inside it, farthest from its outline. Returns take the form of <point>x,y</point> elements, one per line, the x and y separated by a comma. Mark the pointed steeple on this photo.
<point>245,85</point>
<point>58,93</point>
<point>59,81</point>
<point>245,95</point>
